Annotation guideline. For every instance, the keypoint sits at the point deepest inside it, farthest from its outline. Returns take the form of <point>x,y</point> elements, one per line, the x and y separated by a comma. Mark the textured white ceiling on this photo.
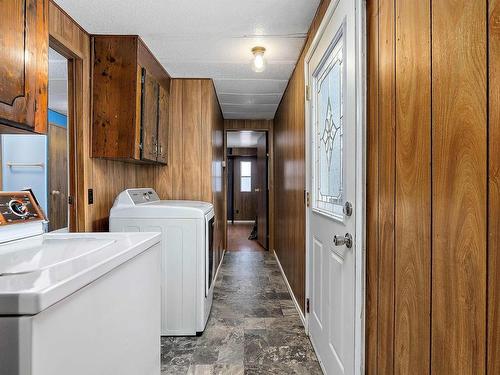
<point>58,82</point>
<point>244,138</point>
<point>212,39</point>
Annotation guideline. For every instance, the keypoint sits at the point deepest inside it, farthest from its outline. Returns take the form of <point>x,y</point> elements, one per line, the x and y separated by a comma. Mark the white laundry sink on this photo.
<point>39,271</point>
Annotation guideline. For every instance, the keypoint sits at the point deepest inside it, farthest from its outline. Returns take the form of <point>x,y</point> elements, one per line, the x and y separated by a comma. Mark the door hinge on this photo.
<point>307,305</point>
<point>307,198</point>
<point>308,92</point>
<point>36,105</point>
<point>70,200</point>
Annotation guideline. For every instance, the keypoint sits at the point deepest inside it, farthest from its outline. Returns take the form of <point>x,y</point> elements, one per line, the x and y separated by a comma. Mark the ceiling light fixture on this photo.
<point>259,64</point>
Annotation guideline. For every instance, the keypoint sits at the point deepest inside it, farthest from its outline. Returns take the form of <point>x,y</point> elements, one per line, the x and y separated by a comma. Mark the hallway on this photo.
<point>237,238</point>
<point>254,327</point>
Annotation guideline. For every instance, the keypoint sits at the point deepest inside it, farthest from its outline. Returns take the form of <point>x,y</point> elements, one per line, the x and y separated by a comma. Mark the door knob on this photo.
<point>55,192</point>
<point>257,190</point>
<point>343,240</point>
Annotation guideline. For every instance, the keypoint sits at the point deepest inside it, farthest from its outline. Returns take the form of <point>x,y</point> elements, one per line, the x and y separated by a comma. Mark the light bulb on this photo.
<point>259,64</point>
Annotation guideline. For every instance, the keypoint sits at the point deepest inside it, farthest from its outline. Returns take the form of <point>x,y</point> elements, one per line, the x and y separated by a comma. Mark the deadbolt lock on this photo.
<point>347,209</point>
<point>343,240</point>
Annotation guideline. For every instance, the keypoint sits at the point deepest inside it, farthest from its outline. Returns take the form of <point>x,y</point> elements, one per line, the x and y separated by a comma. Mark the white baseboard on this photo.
<point>220,264</point>
<point>297,306</point>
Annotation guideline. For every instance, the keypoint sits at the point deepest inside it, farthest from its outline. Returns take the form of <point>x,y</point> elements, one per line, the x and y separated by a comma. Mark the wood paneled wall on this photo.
<point>107,178</point>
<point>427,209</point>
<point>289,173</point>
<point>195,150</point>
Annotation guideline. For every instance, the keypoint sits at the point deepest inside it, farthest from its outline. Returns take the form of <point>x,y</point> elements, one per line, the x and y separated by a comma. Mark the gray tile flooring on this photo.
<point>253,328</point>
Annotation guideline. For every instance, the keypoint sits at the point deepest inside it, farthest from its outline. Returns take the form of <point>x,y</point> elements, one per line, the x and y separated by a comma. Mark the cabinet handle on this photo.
<point>155,145</point>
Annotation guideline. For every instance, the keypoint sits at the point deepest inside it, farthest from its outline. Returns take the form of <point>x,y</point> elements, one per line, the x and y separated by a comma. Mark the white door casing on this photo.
<point>335,175</point>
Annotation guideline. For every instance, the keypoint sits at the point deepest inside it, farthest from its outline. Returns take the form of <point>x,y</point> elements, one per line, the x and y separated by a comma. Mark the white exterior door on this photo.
<point>332,170</point>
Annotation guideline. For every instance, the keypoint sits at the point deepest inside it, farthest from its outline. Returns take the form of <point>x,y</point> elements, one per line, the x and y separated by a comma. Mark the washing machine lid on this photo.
<point>145,204</point>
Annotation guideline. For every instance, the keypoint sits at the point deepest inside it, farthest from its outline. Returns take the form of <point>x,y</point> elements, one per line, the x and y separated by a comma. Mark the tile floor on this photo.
<point>253,328</point>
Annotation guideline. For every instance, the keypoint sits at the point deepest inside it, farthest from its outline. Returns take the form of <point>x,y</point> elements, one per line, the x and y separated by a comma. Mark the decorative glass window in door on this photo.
<point>329,129</point>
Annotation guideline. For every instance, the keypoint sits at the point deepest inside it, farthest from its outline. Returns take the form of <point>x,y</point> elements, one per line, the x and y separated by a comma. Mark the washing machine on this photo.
<point>188,268</point>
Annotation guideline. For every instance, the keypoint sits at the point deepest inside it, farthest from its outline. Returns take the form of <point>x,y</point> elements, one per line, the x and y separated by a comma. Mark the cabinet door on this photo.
<point>149,126</point>
<point>163,125</point>
<point>24,64</point>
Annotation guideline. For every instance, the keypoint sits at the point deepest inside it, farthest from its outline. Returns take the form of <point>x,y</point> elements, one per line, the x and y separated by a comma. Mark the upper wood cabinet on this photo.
<point>23,65</point>
<point>130,101</point>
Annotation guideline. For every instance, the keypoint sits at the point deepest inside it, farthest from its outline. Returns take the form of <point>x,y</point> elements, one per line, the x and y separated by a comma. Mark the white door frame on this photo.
<point>359,329</point>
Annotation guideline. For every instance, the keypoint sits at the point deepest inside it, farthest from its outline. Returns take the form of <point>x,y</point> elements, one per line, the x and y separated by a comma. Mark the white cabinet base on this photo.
<point>111,326</point>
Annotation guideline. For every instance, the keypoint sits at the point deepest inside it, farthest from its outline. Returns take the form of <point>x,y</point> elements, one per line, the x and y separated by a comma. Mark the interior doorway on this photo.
<point>58,198</point>
<point>43,163</point>
<point>247,162</point>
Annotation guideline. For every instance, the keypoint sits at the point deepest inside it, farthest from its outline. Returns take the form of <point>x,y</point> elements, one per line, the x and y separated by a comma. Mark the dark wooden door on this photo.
<point>150,96</point>
<point>163,125</point>
<point>57,177</point>
<point>24,64</point>
<point>262,192</point>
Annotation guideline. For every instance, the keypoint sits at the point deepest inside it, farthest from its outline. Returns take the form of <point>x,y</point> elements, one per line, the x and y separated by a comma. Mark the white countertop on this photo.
<point>39,271</point>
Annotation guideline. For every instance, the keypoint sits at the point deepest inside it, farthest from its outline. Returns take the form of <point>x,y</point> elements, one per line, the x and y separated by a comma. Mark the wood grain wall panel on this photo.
<point>412,187</point>
<point>386,185</point>
<point>206,134</point>
<point>248,124</point>
<point>372,249</point>
<point>168,182</point>
<point>459,187</point>
<point>427,188</point>
<point>493,355</point>
<point>218,173</point>
<point>191,137</point>
<point>289,173</point>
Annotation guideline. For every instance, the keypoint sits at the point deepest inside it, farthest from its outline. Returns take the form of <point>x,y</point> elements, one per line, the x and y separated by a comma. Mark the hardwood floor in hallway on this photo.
<point>237,238</point>
<point>254,327</point>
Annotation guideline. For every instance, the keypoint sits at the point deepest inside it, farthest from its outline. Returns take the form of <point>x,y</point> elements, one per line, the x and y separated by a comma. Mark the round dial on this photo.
<point>18,208</point>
